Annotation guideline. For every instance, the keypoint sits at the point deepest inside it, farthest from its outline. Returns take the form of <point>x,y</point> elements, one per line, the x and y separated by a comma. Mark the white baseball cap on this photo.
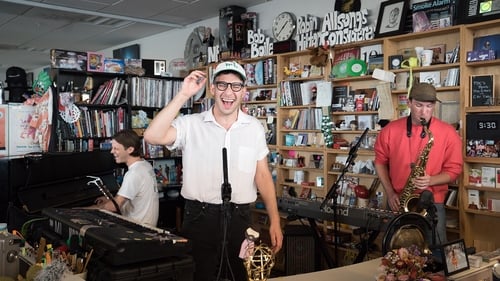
<point>230,66</point>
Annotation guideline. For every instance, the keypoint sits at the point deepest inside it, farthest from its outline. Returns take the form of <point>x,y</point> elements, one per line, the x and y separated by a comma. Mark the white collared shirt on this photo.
<point>201,139</point>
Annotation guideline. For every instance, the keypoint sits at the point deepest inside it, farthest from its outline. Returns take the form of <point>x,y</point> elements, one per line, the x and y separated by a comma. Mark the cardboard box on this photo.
<point>114,65</point>
<point>68,59</point>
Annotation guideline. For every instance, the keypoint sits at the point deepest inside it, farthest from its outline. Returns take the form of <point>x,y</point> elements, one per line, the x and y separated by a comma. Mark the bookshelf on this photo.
<point>105,103</point>
<point>479,152</point>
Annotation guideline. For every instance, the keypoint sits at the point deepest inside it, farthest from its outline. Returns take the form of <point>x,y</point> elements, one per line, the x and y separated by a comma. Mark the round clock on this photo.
<point>284,26</point>
<point>395,62</point>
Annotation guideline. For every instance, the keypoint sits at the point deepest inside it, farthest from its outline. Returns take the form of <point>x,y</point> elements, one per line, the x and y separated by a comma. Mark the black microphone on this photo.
<point>226,186</point>
<point>426,200</point>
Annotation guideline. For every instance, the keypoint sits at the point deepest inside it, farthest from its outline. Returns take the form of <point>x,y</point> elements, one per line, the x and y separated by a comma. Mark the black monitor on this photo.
<point>129,52</point>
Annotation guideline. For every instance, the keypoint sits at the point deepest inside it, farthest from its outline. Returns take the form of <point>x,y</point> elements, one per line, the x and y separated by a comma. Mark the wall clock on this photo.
<point>284,26</point>
<point>195,51</point>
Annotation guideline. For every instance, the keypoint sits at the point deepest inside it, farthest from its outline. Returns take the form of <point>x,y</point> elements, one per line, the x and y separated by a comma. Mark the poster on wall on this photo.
<point>22,130</point>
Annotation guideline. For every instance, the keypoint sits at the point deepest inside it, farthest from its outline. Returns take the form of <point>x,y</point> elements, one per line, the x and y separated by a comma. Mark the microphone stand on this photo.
<point>105,191</point>
<point>333,192</point>
<point>226,209</point>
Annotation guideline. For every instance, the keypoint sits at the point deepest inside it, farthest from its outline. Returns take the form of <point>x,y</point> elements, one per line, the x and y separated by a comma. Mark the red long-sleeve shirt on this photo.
<point>394,148</point>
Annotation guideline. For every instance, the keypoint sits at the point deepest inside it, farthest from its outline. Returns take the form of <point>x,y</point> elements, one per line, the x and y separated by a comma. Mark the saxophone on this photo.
<point>408,200</point>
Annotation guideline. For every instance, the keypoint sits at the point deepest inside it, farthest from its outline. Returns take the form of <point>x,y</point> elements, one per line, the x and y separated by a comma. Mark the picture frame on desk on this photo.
<point>455,257</point>
<point>391,18</point>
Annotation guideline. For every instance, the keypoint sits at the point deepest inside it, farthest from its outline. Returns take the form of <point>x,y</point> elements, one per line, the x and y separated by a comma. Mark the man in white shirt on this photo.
<point>202,138</point>
<point>137,197</point>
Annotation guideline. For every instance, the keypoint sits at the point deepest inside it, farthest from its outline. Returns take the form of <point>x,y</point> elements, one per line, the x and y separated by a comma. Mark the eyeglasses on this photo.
<point>222,86</point>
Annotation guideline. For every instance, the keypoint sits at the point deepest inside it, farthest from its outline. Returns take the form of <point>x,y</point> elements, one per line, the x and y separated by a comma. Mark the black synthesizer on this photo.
<point>115,239</point>
<point>369,218</point>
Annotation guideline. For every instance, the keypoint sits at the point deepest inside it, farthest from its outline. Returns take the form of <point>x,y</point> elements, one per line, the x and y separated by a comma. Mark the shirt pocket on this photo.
<point>246,159</point>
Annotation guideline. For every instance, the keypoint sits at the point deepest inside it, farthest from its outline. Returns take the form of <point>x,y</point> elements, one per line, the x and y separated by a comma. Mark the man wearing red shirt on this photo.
<point>399,145</point>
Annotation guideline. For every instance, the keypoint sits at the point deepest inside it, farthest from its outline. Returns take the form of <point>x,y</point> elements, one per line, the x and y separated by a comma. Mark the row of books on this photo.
<point>485,176</point>
<point>298,93</point>
<point>452,77</point>
<point>346,99</point>
<point>111,92</point>
<point>151,92</point>
<point>83,145</point>
<point>94,124</point>
<point>452,198</point>
<point>478,199</point>
<point>262,72</point>
<point>305,119</point>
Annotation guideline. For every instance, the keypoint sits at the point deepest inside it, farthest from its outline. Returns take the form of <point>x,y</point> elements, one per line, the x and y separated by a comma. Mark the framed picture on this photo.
<point>438,53</point>
<point>455,257</point>
<point>391,18</point>
<point>95,62</point>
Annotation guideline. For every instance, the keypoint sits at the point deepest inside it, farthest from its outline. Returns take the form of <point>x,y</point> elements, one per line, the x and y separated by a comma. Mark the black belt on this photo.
<point>210,206</point>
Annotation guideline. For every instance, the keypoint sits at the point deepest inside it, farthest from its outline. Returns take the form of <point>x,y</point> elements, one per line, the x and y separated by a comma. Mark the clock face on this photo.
<point>284,26</point>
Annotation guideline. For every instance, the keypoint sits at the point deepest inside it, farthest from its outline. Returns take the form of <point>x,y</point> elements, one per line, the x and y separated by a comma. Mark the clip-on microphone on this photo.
<point>226,186</point>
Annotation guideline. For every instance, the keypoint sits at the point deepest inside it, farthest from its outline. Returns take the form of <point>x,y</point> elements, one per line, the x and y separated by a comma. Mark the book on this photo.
<point>488,176</point>
<point>488,42</point>
<point>475,177</point>
<point>22,137</point>
<point>489,256</point>
<point>420,21</point>
<point>451,200</point>
<point>431,77</point>
<point>403,108</point>
<point>433,14</point>
<point>308,92</point>
<point>473,196</point>
<point>339,96</point>
<point>324,93</point>
<point>365,121</point>
<point>497,180</point>
<point>345,54</point>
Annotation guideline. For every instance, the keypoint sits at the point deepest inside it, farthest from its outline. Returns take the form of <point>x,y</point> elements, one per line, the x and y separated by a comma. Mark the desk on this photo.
<point>364,271</point>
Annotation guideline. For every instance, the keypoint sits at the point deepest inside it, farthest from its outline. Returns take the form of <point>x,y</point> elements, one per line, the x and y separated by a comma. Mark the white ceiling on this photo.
<point>30,28</point>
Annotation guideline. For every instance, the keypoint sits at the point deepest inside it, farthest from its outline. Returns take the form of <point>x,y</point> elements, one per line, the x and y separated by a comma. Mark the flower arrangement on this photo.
<point>404,264</point>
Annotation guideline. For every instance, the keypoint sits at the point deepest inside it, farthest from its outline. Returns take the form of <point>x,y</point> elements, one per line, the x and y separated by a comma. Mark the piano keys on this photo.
<point>115,239</point>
